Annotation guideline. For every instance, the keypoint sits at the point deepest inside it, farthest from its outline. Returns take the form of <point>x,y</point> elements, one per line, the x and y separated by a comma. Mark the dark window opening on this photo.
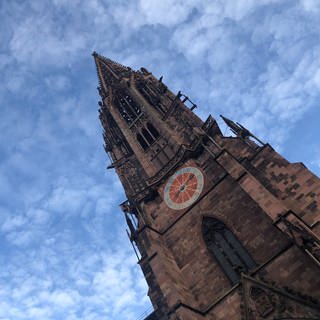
<point>226,248</point>
<point>142,142</point>
<point>132,105</point>
<point>147,136</point>
<point>153,130</point>
<point>128,109</point>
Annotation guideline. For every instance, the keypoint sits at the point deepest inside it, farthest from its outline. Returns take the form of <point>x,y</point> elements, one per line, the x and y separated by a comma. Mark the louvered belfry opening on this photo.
<point>147,136</point>
<point>131,112</point>
<point>226,248</point>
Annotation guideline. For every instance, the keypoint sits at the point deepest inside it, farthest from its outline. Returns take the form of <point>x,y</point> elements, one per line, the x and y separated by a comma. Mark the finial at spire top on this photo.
<point>109,72</point>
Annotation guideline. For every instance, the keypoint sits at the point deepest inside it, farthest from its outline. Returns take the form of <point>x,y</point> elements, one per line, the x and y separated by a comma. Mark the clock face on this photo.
<point>183,188</point>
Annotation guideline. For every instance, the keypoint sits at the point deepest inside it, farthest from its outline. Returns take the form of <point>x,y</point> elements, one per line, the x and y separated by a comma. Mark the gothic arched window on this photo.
<point>128,109</point>
<point>147,136</point>
<point>226,248</point>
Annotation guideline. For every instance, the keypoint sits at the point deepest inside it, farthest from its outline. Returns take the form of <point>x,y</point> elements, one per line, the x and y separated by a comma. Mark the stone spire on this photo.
<point>147,128</point>
<point>109,73</point>
<point>239,130</point>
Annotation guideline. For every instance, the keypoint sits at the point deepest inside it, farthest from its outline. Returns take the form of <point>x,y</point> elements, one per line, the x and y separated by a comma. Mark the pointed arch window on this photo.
<point>145,139</point>
<point>128,108</point>
<point>147,136</point>
<point>226,248</point>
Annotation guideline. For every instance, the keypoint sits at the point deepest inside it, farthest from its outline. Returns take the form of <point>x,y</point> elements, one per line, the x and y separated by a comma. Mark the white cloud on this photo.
<point>5,60</point>
<point>38,216</point>
<point>61,299</point>
<point>20,238</point>
<point>42,41</point>
<point>311,5</point>
<point>57,82</point>
<point>166,12</point>
<point>263,72</point>
<point>13,222</point>
<point>101,284</point>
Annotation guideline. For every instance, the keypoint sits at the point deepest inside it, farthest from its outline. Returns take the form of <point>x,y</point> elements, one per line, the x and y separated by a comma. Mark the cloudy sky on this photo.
<point>64,252</point>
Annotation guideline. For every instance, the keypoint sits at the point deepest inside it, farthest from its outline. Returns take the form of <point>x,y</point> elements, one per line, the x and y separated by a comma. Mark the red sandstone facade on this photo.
<point>243,242</point>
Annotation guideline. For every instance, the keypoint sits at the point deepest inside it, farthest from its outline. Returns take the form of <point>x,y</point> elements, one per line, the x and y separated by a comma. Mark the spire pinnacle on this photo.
<point>109,72</point>
<point>239,130</point>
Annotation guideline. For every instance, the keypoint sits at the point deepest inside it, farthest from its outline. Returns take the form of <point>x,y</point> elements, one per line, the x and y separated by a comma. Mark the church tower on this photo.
<point>224,227</point>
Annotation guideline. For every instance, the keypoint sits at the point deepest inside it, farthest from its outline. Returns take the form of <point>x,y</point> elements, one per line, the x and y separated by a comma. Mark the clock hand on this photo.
<point>176,195</point>
<point>182,187</point>
<point>190,178</point>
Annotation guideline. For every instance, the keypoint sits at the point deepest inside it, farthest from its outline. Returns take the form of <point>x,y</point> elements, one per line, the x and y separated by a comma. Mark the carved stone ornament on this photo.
<point>180,154</point>
<point>135,179</point>
<point>264,301</point>
<point>301,235</point>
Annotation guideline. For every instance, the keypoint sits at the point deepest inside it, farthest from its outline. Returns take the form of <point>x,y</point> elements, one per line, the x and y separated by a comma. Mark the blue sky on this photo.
<point>64,252</point>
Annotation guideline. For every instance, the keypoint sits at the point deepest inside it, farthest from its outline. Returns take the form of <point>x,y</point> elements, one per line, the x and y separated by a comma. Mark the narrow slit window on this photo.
<point>142,142</point>
<point>153,130</point>
<point>147,136</point>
